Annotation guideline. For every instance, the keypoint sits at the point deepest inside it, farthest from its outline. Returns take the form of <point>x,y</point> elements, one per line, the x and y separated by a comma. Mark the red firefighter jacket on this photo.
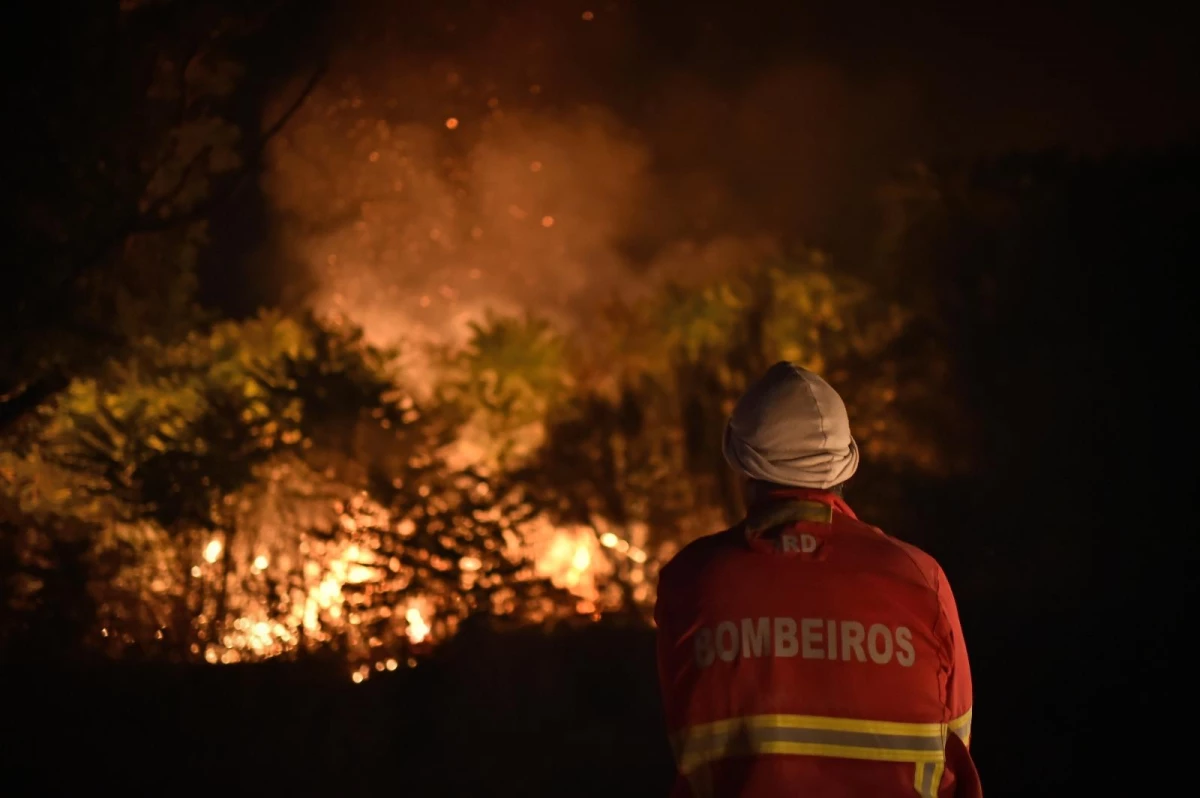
<point>804,652</point>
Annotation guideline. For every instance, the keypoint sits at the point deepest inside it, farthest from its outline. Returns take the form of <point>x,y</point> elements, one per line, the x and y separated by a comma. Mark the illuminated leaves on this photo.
<point>269,483</point>
<point>166,432</point>
<point>643,443</point>
<point>507,378</point>
<point>695,323</point>
<point>514,368</point>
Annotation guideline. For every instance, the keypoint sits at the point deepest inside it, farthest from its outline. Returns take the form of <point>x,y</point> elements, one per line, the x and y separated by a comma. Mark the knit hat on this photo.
<point>791,428</point>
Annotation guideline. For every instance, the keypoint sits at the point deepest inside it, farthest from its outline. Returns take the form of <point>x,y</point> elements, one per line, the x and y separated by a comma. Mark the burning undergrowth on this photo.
<point>273,488</point>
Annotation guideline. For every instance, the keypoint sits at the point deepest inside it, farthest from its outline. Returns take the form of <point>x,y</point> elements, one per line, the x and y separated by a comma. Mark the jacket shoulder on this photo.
<point>895,555</point>
<point>700,551</point>
<point>884,553</point>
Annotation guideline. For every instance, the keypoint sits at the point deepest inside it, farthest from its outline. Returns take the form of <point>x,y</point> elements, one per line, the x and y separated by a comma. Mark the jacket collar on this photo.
<point>788,506</point>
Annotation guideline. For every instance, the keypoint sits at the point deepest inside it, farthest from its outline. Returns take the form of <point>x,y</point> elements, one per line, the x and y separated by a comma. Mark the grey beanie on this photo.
<point>791,428</point>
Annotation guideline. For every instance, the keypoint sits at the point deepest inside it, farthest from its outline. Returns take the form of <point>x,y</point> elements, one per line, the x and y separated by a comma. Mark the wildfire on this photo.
<point>577,558</point>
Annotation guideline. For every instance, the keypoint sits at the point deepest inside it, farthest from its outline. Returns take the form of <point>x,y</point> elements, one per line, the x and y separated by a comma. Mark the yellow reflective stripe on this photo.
<point>928,778</point>
<point>789,512</point>
<point>749,747</point>
<point>811,511</point>
<point>819,722</point>
<point>809,735</point>
<point>962,726</point>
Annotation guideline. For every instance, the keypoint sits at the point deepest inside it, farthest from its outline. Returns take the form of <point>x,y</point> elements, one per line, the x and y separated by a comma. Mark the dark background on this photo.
<point>1071,545</point>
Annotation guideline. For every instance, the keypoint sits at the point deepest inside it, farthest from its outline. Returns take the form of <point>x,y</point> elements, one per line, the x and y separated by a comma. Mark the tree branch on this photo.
<point>150,221</point>
<point>308,88</point>
<point>147,223</point>
<point>19,399</point>
<point>154,208</point>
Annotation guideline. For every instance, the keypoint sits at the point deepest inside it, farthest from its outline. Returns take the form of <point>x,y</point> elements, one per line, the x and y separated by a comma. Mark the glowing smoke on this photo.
<point>419,187</point>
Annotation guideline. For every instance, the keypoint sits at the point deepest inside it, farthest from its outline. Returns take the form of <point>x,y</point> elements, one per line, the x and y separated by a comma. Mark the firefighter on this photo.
<point>803,651</point>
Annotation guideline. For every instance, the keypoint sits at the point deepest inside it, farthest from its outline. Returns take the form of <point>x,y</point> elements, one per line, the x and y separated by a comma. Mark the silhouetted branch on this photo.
<point>146,223</point>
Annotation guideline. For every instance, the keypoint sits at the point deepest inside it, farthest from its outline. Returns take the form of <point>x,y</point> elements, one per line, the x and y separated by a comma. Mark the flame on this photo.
<point>563,554</point>
<point>330,577</point>
<point>418,629</point>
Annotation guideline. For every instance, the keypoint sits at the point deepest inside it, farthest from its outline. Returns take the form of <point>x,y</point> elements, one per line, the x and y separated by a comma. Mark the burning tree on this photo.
<point>267,488</point>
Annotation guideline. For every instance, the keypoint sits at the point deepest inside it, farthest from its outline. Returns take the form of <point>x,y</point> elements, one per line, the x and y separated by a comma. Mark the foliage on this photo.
<point>509,376</point>
<point>641,440</point>
<point>270,479</point>
<point>270,485</point>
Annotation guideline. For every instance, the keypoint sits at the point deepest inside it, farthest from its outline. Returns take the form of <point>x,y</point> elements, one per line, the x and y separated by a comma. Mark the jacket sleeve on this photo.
<point>959,697</point>
<point>960,765</point>
<point>663,640</point>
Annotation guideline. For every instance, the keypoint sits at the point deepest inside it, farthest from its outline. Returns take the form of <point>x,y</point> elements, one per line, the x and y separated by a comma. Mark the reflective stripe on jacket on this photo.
<point>805,651</point>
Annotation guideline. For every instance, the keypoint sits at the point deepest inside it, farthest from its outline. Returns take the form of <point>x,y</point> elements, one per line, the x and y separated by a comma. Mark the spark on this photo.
<point>451,123</point>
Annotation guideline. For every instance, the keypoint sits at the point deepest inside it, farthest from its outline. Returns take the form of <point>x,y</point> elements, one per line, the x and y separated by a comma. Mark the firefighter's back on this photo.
<point>814,655</point>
